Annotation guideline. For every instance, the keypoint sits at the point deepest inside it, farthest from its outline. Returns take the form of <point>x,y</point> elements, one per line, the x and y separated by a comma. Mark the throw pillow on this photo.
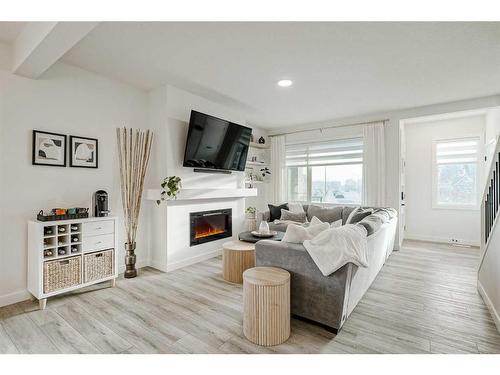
<point>360,215</point>
<point>372,223</point>
<point>351,214</point>
<point>275,211</point>
<point>335,224</point>
<point>299,217</point>
<point>298,234</point>
<point>325,214</point>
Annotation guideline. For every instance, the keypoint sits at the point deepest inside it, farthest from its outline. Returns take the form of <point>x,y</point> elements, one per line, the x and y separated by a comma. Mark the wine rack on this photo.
<point>53,244</point>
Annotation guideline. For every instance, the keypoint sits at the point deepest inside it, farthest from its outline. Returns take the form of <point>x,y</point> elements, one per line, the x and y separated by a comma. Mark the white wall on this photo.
<point>423,222</point>
<point>65,100</point>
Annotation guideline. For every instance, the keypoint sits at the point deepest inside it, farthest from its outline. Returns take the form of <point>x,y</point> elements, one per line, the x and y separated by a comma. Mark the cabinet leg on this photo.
<point>113,283</point>
<point>43,303</point>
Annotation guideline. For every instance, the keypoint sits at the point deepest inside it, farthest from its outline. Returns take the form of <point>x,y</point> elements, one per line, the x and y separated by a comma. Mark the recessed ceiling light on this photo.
<point>285,83</point>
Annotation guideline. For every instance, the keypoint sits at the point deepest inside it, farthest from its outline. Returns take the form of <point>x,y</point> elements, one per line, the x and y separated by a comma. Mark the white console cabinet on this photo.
<point>65,255</point>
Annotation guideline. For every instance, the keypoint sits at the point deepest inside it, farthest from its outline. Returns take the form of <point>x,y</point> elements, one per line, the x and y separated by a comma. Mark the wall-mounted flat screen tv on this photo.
<point>213,143</point>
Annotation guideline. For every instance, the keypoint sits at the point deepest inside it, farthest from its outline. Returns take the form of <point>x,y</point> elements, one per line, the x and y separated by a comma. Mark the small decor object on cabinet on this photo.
<point>171,186</point>
<point>101,203</point>
<point>262,140</point>
<point>83,152</point>
<point>49,149</point>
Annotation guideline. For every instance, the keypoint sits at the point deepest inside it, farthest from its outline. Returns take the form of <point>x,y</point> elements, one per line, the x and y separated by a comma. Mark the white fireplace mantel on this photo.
<point>191,194</point>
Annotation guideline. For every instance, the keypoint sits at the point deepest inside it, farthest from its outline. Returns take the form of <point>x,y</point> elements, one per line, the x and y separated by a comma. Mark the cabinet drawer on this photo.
<point>98,227</point>
<point>93,243</point>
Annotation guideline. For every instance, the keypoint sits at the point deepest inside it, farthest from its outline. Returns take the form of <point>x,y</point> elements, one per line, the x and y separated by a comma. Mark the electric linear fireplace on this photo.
<point>209,226</point>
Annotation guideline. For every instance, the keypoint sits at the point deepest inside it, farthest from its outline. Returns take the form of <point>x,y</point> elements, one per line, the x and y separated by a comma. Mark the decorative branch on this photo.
<point>134,150</point>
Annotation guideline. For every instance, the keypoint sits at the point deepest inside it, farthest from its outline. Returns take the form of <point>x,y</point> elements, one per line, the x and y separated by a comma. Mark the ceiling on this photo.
<point>338,69</point>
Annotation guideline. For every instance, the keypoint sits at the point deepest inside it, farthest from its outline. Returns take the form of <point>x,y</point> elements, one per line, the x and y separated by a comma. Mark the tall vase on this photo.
<point>130,270</point>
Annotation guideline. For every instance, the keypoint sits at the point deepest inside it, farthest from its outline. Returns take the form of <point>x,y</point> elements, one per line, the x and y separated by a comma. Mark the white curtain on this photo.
<point>374,165</point>
<point>278,169</point>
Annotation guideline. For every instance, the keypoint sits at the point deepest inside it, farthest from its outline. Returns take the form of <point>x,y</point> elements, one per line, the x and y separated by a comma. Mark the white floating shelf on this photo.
<point>259,145</point>
<point>191,194</point>
<point>257,163</point>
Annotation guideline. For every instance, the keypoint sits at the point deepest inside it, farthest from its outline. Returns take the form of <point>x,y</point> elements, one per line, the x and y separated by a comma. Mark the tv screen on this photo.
<point>213,143</point>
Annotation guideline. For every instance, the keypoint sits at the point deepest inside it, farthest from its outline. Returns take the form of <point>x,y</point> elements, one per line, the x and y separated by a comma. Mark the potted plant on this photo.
<point>250,211</point>
<point>171,186</point>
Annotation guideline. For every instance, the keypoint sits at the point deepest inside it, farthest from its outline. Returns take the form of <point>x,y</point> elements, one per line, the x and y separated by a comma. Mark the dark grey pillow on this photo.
<point>346,211</point>
<point>299,217</point>
<point>325,214</point>
<point>275,211</point>
<point>358,216</point>
<point>372,224</point>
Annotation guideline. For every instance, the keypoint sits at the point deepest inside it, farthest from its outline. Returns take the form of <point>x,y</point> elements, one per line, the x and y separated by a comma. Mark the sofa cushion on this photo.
<point>358,216</point>
<point>295,207</point>
<point>275,211</point>
<point>372,224</point>
<point>299,217</point>
<point>279,226</point>
<point>325,214</point>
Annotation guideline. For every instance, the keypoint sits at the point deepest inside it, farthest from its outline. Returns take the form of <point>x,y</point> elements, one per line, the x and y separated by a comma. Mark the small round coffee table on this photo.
<point>237,256</point>
<point>249,237</point>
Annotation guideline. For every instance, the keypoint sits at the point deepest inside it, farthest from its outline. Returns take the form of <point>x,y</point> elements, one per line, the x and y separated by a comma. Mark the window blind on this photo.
<point>346,151</point>
<point>457,151</point>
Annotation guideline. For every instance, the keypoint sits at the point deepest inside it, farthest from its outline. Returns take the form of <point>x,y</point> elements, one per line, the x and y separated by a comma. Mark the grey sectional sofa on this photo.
<point>329,300</point>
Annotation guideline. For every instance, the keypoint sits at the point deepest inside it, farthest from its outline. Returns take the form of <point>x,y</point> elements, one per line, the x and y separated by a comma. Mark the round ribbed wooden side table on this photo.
<point>266,305</point>
<point>237,256</point>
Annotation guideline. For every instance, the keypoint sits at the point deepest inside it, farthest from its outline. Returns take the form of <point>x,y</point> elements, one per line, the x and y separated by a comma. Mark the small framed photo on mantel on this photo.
<point>83,152</point>
<point>49,149</point>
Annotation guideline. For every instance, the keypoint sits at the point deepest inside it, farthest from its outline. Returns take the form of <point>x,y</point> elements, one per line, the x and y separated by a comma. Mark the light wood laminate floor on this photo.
<point>423,301</point>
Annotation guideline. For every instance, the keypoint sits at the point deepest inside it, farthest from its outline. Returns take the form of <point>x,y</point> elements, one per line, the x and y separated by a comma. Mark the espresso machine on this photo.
<point>101,203</point>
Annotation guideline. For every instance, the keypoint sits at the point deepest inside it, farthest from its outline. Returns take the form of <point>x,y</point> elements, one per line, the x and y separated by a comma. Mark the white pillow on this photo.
<point>298,234</point>
<point>296,208</point>
<point>335,224</point>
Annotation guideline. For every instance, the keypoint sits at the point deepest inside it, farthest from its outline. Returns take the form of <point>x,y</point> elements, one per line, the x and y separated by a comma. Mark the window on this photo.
<point>325,172</point>
<point>456,173</point>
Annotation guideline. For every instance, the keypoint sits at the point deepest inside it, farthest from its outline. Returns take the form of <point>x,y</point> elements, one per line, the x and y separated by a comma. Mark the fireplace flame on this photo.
<point>208,232</point>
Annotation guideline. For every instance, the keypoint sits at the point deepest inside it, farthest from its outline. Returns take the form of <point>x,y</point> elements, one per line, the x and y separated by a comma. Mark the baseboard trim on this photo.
<point>489,305</point>
<point>189,261</point>
<point>439,240</point>
<point>15,297</point>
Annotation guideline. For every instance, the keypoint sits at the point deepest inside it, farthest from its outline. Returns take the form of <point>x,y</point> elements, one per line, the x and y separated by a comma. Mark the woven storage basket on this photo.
<point>98,265</point>
<point>60,274</point>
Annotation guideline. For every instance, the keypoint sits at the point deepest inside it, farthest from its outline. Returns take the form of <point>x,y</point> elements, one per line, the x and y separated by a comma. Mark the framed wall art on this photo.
<point>49,149</point>
<point>83,152</point>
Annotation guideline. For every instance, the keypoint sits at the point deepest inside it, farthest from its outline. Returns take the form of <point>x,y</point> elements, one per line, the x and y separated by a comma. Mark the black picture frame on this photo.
<point>35,160</point>
<point>71,152</point>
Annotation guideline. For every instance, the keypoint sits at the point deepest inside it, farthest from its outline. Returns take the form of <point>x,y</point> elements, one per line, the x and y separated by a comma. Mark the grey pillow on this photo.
<point>358,216</point>
<point>372,224</point>
<point>346,211</point>
<point>325,214</point>
<point>299,217</point>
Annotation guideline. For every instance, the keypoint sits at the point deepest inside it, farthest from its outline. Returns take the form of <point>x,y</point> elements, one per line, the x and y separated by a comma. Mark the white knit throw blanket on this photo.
<point>334,247</point>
